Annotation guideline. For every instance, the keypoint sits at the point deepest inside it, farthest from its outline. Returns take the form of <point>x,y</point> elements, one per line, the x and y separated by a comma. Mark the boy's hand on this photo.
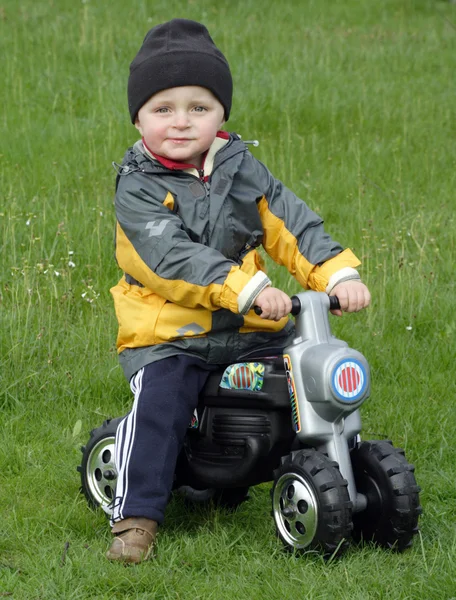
<point>274,304</point>
<point>353,296</point>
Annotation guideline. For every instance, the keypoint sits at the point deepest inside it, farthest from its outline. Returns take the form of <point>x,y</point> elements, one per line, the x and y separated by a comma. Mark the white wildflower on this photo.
<point>409,328</point>
<point>71,264</point>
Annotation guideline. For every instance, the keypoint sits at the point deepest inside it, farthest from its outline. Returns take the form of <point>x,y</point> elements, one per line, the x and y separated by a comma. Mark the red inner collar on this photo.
<point>175,165</point>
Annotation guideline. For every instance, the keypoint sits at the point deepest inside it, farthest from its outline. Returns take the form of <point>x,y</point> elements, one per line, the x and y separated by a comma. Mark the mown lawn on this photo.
<point>353,104</point>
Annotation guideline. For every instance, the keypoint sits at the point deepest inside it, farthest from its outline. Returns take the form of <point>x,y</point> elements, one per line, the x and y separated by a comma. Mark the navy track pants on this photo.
<point>150,437</point>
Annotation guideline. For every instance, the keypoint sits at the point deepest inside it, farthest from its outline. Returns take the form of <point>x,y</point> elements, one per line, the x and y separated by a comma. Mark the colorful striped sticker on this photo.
<point>243,376</point>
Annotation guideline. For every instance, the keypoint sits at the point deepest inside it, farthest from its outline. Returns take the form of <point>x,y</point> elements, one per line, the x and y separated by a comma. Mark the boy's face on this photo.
<point>180,123</point>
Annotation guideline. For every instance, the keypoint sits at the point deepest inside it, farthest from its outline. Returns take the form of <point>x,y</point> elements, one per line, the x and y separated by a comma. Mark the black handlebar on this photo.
<point>296,305</point>
<point>334,303</point>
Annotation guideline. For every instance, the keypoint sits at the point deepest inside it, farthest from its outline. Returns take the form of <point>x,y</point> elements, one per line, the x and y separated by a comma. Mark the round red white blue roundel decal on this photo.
<point>349,380</point>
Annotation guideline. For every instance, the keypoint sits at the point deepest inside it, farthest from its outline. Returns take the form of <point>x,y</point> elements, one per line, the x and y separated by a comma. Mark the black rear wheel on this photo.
<point>97,469</point>
<point>384,476</point>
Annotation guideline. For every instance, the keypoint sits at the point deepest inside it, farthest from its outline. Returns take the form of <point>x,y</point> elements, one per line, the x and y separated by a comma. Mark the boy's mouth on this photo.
<point>179,140</point>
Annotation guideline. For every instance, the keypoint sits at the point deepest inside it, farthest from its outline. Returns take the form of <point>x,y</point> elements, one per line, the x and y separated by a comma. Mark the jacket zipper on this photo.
<point>204,182</point>
<point>205,207</point>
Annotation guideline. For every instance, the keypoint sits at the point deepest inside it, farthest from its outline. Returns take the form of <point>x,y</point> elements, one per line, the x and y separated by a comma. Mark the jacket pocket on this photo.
<point>137,310</point>
<point>176,322</point>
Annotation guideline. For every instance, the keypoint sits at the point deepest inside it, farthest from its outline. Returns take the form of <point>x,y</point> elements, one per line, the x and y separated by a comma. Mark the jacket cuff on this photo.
<point>318,278</point>
<point>249,293</point>
<point>345,274</point>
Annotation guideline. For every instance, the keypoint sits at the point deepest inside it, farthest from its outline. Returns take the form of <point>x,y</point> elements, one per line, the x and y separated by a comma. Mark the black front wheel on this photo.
<point>97,469</point>
<point>310,503</point>
<point>384,476</point>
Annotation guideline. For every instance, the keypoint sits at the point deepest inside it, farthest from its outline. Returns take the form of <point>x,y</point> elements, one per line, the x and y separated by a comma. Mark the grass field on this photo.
<point>353,102</point>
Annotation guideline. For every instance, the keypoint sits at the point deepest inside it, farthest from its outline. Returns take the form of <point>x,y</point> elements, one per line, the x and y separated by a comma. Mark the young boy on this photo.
<point>192,206</point>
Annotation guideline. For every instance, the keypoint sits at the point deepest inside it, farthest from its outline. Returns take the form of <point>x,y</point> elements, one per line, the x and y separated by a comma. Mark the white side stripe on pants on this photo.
<point>125,437</point>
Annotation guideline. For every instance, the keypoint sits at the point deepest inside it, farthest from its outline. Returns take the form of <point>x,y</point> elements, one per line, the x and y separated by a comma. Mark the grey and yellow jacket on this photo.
<point>187,244</point>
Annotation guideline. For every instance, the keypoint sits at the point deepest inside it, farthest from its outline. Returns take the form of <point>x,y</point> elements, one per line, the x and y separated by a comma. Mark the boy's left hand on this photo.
<point>353,296</point>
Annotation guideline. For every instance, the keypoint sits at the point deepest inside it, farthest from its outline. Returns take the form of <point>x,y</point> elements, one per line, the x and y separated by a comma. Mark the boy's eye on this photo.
<point>200,108</point>
<point>162,109</point>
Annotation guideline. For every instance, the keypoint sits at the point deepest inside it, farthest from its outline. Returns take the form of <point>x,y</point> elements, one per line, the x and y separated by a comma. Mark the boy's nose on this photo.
<point>181,120</point>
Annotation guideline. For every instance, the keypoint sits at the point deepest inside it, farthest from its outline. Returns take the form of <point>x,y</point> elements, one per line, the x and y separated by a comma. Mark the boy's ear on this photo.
<point>138,125</point>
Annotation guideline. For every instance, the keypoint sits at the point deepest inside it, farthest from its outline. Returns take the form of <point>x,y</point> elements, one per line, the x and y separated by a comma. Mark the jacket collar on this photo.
<point>137,158</point>
<point>220,141</point>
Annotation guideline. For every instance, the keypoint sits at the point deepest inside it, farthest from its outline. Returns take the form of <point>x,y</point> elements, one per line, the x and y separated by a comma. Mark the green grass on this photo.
<point>353,104</point>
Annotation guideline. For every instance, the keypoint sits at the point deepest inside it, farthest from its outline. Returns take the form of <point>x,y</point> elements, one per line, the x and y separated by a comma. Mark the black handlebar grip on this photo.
<point>295,307</point>
<point>334,303</point>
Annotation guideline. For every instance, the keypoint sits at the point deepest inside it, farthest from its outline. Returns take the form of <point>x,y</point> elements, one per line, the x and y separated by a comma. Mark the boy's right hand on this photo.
<point>274,304</point>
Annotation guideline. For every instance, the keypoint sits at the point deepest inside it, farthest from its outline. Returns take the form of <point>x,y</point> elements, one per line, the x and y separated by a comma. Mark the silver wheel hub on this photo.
<point>102,473</point>
<point>295,510</point>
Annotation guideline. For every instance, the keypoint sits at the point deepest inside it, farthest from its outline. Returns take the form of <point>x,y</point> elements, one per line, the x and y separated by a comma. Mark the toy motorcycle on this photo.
<point>290,417</point>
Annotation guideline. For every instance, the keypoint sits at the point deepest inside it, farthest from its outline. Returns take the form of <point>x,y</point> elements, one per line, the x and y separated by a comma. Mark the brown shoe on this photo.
<point>134,541</point>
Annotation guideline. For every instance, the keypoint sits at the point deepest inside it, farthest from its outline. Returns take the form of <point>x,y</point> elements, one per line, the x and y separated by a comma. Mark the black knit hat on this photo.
<point>179,52</point>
